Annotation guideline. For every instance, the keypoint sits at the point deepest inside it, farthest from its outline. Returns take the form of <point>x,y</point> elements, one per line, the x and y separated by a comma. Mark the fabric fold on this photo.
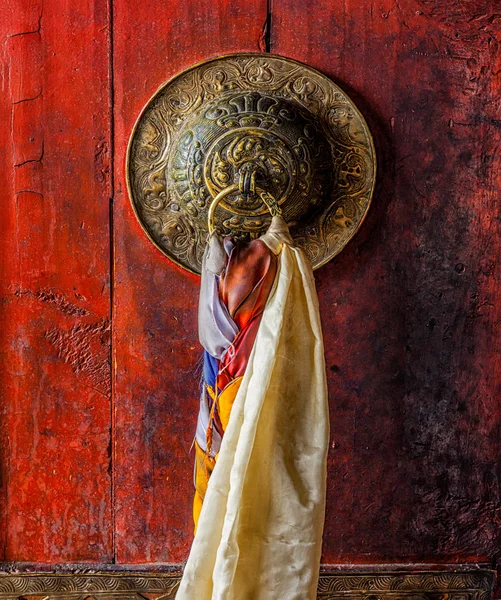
<point>260,528</point>
<point>216,329</point>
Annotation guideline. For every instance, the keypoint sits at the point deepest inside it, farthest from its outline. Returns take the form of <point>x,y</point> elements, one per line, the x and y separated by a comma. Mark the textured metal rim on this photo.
<point>173,79</point>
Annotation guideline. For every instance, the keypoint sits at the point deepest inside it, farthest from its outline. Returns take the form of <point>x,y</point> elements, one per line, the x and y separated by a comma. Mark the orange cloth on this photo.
<point>244,287</point>
<point>225,401</point>
<point>204,464</point>
<point>259,535</point>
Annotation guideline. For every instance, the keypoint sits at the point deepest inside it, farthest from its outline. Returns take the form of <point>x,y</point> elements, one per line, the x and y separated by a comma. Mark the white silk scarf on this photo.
<point>259,534</point>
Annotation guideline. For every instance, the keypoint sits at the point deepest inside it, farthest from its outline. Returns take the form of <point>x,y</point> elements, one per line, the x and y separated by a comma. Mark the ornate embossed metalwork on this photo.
<point>403,585</point>
<point>308,145</point>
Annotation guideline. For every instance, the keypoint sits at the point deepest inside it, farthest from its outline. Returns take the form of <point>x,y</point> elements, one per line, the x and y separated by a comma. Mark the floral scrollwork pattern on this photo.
<point>474,584</point>
<point>309,146</point>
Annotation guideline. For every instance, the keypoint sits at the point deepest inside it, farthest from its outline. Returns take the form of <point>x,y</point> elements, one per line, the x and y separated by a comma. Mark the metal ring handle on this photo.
<point>268,200</point>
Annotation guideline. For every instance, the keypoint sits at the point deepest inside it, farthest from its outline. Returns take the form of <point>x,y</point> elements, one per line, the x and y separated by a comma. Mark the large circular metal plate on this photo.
<point>309,145</point>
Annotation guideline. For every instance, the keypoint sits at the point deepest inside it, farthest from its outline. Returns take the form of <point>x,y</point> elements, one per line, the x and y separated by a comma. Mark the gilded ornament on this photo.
<point>244,128</point>
<point>472,584</point>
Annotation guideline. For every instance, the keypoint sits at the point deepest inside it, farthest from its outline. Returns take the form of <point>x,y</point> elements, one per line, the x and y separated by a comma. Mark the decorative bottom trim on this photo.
<point>475,584</point>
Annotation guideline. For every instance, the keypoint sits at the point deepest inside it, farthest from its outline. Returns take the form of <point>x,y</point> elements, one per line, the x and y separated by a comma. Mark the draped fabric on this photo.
<point>261,496</point>
<point>236,282</point>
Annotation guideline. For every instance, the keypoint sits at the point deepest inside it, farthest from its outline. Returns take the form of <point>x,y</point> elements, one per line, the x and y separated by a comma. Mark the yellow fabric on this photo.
<point>226,400</point>
<point>260,529</point>
<point>204,465</point>
<point>208,433</point>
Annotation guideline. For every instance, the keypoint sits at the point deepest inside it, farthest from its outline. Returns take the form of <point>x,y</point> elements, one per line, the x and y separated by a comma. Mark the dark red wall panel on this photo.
<point>55,293</point>
<point>156,347</point>
<point>95,457</point>
<point>411,309</point>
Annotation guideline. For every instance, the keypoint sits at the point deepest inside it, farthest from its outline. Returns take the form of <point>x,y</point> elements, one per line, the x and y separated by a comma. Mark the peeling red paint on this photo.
<point>86,348</point>
<point>55,408</point>
<point>56,299</point>
<point>408,308</point>
<point>411,308</point>
<point>102,160</point>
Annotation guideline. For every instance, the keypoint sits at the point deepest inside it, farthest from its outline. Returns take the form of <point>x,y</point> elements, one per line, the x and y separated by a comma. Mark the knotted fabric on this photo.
<point>260,527</point>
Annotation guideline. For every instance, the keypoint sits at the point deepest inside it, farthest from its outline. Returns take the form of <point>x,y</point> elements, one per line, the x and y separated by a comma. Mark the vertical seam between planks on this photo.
<point>111,119</point>
<point>269,24</point>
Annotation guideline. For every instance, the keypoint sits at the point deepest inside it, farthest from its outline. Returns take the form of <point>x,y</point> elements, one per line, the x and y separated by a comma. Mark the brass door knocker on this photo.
<point>247,187</point>
<point>266,197</point>
<point>252,135</point>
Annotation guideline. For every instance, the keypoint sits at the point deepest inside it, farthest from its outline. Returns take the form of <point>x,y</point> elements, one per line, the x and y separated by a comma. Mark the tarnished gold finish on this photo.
<point>344,585</point>
<point>266,198</point>
<point>242,128</point>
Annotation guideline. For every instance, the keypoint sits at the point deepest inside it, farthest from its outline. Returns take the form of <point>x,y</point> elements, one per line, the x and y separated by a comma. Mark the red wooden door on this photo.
<point>99,343</point>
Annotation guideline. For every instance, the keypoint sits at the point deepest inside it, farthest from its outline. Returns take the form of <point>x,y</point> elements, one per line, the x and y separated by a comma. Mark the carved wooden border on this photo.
<point>348,585</point>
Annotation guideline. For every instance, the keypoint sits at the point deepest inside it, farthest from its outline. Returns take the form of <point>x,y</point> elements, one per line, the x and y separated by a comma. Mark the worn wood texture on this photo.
<point>411,310</point>
<point>155,345</point>
<point>55,501</point>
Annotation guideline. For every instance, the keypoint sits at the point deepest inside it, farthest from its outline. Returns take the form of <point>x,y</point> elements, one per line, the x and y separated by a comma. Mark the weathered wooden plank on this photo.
<point>411,309</point>
<point>155,340</point>
<point>55,503</point>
